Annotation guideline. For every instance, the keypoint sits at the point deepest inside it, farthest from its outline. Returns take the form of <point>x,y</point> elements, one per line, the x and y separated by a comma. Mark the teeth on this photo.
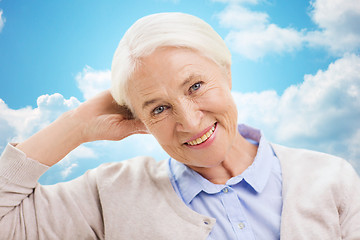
<point>203,138</point>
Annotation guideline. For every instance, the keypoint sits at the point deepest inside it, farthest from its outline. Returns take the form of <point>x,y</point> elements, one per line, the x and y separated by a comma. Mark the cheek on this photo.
<point>230,114</point>
<point>223,108</point>
<point>219,102</point>
<point>161,130</point>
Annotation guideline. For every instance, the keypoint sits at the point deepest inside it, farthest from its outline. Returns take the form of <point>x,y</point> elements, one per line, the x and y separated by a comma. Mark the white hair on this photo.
<point>163,30</point>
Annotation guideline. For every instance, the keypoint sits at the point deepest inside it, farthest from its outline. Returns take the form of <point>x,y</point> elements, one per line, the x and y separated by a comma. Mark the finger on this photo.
<point>124,111</point>
<point>140,127</point>
<point>135,126</point>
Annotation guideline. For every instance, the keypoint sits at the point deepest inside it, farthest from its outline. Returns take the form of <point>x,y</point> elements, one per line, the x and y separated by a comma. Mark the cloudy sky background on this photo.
<point>296,70</point>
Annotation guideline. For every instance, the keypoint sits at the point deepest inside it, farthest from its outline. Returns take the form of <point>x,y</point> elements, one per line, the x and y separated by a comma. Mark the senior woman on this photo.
<point>171,78</point>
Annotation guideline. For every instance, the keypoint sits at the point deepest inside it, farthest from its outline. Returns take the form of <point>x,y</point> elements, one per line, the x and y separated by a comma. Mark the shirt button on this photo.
<point>241,225</point>
<point>225,190</point>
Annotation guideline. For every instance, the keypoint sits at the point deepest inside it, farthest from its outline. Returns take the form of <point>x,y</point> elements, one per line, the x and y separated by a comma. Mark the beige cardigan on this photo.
<point>134,199</point>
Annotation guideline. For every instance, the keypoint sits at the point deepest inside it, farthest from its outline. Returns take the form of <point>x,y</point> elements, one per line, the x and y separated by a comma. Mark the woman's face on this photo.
<point>185,102</point>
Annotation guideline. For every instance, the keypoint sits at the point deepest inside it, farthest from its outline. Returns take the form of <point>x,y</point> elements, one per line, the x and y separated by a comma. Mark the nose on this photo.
<point>188,116</point>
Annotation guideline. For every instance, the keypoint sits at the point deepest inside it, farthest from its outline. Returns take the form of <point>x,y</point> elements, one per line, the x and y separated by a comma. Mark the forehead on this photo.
<point>171,60</point>
<point>170,64</point>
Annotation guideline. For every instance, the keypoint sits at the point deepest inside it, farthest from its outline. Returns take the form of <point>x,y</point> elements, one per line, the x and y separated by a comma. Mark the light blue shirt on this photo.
<point>248,206</point>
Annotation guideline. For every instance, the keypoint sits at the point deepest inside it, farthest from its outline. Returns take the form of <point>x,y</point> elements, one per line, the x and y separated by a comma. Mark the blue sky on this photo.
<point>296,69</point>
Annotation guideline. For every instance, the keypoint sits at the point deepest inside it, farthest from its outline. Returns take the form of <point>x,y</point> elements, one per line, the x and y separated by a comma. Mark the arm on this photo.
<point>28,210</point>
<point>99,118</point>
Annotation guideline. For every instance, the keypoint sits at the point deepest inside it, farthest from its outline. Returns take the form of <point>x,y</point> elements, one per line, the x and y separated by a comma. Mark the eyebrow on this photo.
<point>150,102</point>
<point>184,83</point>
<point>190,78</point>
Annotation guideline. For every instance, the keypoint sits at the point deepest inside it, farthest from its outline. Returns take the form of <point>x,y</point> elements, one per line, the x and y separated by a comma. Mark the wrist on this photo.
<point>55,141</point>
<point>74,127</point>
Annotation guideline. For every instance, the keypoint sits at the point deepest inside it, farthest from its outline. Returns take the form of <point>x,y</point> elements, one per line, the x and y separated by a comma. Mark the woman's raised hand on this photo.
<point>103,119</point>
<point>99,118</point>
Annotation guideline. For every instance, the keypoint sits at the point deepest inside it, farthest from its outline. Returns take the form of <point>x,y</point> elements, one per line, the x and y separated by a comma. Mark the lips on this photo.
<point>205,136</point>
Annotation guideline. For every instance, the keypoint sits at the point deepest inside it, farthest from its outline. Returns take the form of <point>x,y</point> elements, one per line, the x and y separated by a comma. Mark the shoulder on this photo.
<point>131,171</point>
<point>315,172</point>
<point>310,170</point>
<point>318,186</point>
<point>305,161</point>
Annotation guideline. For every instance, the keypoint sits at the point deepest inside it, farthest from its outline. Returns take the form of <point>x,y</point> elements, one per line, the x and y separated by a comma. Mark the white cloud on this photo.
<point>338,21</point>
<point>252,36</point>
<point>254,44</point>
<point>2,20</point>
<point>239,17</point>
<point>17,125</point>
<point>91,82</point>
<point>26,121</point>
<point>65,173</point>
<point>70,162</point>
<point>322,113</point>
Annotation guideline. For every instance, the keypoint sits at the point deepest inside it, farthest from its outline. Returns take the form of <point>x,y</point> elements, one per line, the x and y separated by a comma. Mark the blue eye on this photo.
<point>195,87</point>
<point>158,110</point>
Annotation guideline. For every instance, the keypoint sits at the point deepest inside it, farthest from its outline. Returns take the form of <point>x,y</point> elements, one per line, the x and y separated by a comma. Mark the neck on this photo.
<point>240,156</point>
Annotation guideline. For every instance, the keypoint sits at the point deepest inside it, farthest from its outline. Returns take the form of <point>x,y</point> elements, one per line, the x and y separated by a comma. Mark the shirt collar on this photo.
<point>191,183</point>
<point>257,174</point>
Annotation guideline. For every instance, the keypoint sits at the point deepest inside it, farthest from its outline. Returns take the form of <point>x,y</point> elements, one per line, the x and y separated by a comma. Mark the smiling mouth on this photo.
<point>203,138</point>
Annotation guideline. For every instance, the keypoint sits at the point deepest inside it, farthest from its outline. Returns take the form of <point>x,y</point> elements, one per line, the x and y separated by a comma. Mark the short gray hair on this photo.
<point>163,30</point>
